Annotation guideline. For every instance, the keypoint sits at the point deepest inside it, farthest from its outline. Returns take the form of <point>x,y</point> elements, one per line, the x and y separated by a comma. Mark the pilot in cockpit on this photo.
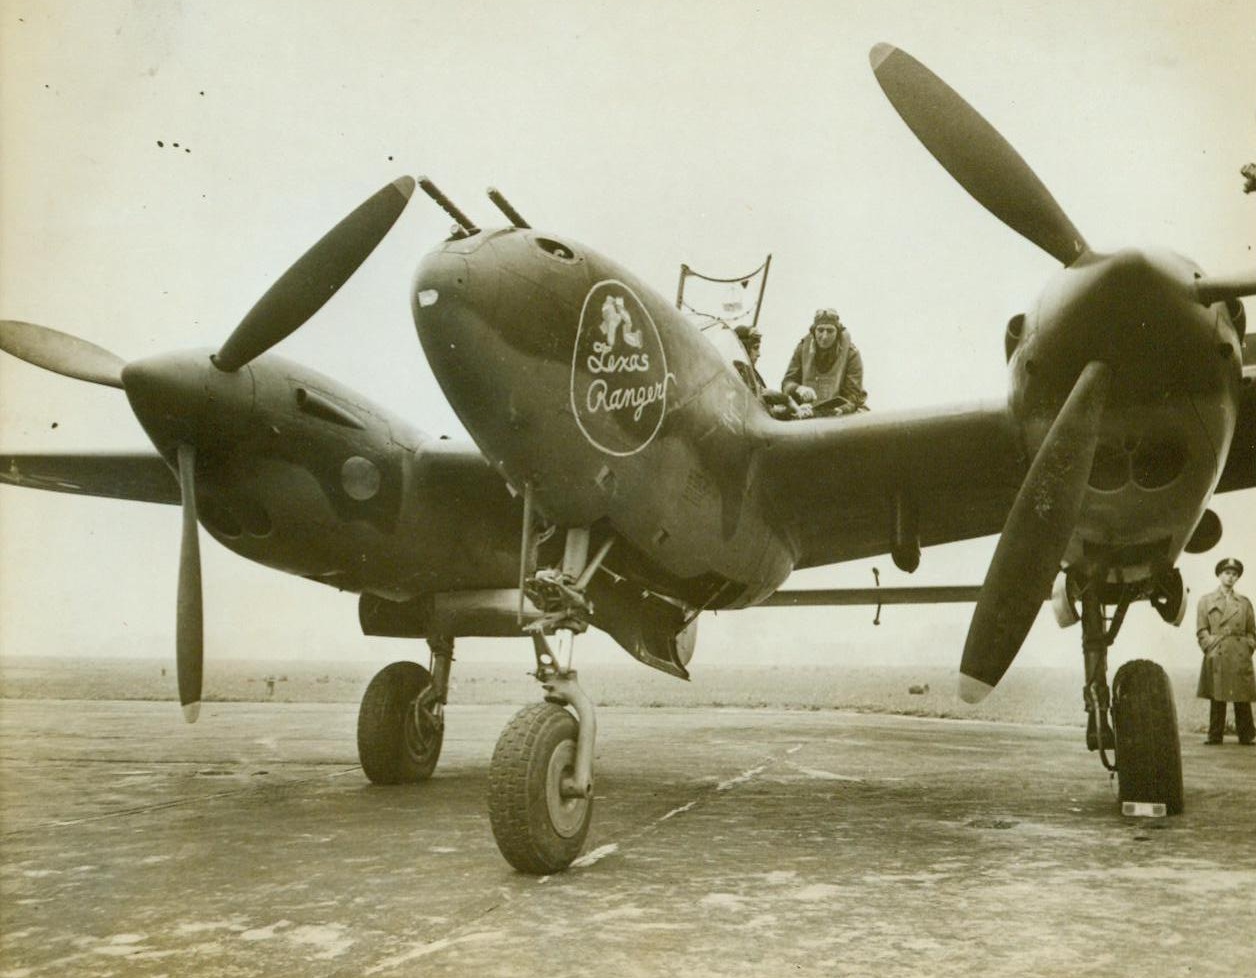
<point>777,403</point>
<point>751,340</point>
<point>825,373</point>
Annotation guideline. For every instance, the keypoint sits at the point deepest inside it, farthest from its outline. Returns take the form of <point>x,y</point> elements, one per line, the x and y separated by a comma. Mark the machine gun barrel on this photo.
<point>503,205</point>
<point>447,205</point>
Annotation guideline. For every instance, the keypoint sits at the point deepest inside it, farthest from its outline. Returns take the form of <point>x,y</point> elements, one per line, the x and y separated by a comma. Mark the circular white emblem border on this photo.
<point>575,353</point>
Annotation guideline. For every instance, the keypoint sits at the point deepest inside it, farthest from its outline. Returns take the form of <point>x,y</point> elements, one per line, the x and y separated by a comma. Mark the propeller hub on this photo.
<point>1134,310</point>
<point>1169,417</point>
<point>183,397</point>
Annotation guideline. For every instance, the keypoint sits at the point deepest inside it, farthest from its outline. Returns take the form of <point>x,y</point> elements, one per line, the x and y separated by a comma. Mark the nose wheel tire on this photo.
<point>537,829</point>
<point>400,725</point>
<point>1148,751</point>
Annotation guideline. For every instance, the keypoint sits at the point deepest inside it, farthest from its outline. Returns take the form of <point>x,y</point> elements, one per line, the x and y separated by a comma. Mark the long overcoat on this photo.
<point>1226,629</point>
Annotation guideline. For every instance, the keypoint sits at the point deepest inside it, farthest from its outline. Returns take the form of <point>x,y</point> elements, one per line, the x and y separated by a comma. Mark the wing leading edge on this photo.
<point>842,485</point>
<point>140,476</point>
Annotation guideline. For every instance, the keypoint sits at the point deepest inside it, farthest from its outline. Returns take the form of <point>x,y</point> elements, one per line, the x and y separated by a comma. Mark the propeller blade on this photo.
<point>314,278</point>
<point>190,630</point>
<point>972,151</point>
<point>1219,288</point>
<point>61,353</point>
<point>1035,537</point>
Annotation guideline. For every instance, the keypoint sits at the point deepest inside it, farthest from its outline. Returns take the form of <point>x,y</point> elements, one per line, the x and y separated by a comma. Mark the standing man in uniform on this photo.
<point>826,371</point>
<point>1226,629</point>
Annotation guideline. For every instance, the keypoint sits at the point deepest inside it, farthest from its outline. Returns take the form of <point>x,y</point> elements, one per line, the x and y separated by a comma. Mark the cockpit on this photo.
<point>731,348</point>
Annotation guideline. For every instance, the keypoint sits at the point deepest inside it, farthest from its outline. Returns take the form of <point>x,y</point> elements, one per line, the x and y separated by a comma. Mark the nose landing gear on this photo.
<point>540,800</point>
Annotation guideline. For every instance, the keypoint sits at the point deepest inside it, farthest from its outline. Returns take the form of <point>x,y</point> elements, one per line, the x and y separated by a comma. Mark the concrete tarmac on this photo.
<point>724,842</point>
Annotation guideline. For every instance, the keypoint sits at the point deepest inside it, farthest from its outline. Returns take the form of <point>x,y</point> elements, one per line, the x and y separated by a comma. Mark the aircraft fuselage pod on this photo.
<point>577,380</point>
<point>584,385</point>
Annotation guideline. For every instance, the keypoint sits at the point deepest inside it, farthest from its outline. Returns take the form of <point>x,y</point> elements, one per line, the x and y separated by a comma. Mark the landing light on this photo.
<point>427,298</point>
<point>360,478</point>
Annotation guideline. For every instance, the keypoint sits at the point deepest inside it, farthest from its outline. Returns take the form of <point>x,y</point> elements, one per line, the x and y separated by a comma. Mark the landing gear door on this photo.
<point>650,629</point>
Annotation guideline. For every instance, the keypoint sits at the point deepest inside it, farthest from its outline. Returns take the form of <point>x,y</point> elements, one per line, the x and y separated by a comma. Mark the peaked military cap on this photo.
<point>1229,564</point>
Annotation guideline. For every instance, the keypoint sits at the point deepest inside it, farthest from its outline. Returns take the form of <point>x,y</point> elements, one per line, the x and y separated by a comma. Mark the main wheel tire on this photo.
<point>537,830</point>
<point>394,745</point>
<point>1148,750</point>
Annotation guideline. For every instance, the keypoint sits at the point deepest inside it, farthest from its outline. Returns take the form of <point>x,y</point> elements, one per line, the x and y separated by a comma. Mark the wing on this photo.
<point>835,482</point>
<point>1240,465</point>
<point>142,476</point>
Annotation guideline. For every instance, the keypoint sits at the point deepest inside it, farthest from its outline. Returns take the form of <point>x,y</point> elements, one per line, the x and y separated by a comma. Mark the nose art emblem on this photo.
<point>618,371</point>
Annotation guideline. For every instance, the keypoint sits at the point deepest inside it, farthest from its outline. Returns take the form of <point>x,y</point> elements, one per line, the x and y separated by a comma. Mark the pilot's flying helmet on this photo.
<point>826,316</point>
<point>749,336</point>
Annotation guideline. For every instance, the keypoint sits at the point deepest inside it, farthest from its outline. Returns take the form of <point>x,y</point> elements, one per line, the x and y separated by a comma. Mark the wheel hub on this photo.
<point>423,725</point>
<point>566,814</point>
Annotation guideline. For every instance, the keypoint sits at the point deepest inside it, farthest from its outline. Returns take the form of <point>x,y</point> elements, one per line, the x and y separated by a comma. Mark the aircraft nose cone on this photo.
<point>180,397</point>
<point>171,384</point>
<point>456,299</point>
<point>441,291</point>
<point>451,315</point>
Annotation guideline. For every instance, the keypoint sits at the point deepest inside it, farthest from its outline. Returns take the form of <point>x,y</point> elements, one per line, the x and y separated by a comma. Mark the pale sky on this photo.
<point>703,132</point>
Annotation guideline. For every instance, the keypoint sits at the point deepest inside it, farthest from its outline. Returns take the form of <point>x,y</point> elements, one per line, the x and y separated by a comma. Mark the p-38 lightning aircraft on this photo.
<point>624,476</point>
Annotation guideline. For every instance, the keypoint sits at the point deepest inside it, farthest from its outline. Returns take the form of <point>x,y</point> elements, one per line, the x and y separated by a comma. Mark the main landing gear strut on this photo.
<point>540,799</point>
<point>1143,732</point>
